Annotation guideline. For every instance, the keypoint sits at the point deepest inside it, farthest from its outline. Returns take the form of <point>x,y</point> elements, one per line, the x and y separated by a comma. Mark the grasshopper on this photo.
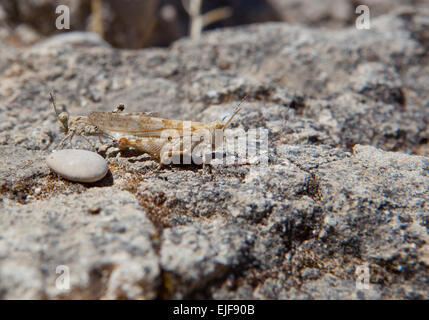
<point>163,139</point>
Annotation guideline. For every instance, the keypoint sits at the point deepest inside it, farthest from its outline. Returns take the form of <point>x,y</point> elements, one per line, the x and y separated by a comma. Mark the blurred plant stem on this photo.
<point>199,21</point>
<point>216,15</point>
<point>96,24</point>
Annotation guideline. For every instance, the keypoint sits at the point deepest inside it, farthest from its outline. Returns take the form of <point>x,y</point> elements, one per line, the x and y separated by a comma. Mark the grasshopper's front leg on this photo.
<point>69,137</point>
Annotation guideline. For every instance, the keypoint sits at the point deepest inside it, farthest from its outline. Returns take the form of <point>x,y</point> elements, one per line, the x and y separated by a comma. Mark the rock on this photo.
<point>188,256</point>
<point>101,262</point>
<point>331,13</point>
<point>74,39</point>
<point>78,165</point>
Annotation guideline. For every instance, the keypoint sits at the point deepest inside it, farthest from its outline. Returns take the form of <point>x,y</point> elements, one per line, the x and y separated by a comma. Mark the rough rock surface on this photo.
<point>335,13</point>
<point>345,183</point>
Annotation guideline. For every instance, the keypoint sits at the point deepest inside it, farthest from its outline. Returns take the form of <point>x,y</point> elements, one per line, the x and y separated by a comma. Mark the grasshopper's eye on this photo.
<point>63,117</point>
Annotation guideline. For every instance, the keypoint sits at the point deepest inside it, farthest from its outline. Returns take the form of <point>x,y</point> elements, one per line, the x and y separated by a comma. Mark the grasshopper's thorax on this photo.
<point>81,125</point>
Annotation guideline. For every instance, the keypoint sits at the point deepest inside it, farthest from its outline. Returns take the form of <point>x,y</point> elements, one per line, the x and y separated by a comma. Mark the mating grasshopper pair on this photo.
<point>163,139</point>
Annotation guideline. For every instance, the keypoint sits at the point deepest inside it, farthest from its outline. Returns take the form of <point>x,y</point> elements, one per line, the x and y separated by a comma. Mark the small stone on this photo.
<point>94,210</point>
<point>78,165</point>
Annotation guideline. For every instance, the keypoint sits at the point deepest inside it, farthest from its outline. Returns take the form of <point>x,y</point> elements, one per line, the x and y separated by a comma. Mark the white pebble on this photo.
<point>78,165</point>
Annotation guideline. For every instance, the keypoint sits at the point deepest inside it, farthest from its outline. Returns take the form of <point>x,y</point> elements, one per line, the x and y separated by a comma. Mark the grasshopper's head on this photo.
<point>63,117</point>
<point>222,124</point>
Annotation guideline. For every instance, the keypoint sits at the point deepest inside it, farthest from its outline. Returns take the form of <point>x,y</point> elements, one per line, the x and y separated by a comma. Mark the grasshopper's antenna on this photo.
<point>236,110</point>
<point>63,117</point>
<point>51,98</point>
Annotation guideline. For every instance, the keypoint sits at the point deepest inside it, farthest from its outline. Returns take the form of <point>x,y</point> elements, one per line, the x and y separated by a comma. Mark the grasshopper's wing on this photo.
<point>149,114</point>
<point>138,124</point>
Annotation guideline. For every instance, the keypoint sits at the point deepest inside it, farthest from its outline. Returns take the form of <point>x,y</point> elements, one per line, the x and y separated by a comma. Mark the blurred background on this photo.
<point>138,24</point>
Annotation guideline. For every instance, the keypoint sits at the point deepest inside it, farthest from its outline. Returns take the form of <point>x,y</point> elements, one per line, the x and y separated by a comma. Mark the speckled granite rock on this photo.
<point>109,255</point>
<point>344,185</point>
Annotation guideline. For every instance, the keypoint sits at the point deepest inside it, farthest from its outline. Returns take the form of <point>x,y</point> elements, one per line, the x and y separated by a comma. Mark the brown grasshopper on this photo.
<point>161,138</point>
